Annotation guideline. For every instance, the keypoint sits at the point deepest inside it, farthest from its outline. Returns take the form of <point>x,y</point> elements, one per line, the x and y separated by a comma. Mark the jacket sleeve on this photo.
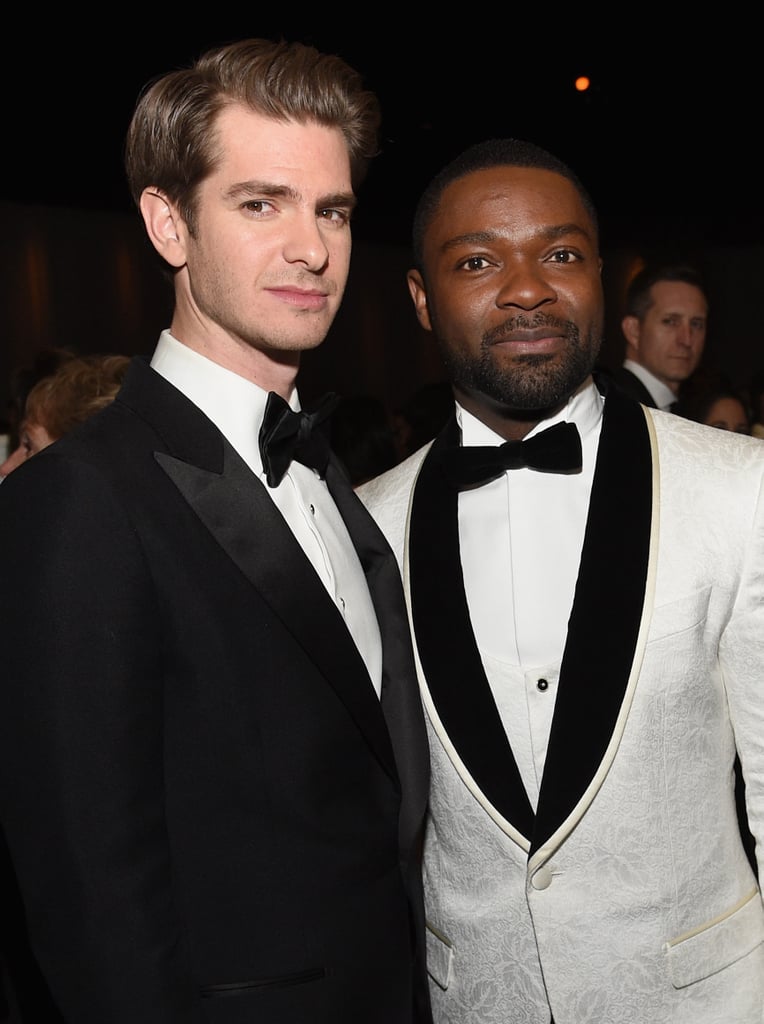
<point>741,655</point>
<point>81,788</point>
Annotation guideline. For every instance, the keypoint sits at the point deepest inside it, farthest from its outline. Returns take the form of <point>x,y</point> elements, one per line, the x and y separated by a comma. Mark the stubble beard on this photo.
<point>532,382</point>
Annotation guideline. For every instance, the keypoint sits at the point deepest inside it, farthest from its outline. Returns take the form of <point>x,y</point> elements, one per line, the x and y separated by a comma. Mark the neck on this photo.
<point>509,423</point>
<point>271,369</point>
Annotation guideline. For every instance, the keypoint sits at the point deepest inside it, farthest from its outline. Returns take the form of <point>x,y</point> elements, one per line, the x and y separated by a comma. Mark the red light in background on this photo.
<point>582,83</point>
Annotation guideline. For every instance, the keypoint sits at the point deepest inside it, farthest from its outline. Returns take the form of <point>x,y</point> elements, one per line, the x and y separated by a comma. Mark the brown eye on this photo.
<point>475,263</point>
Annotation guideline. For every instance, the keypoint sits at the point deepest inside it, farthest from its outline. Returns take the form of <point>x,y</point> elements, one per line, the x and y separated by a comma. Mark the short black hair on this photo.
<point>638,297</point>
<point>478,157</point>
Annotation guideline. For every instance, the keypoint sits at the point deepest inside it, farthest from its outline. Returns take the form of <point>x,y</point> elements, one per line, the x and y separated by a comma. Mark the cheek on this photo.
<point>39,438</point>
<point>583,302</point>
<point>339,250</point>
<point>654,342</point>
<point>464,313</point>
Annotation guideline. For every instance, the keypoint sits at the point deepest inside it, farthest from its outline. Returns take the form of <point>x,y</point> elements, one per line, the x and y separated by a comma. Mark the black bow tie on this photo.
<point>555,450</point>
<point>287,435</point>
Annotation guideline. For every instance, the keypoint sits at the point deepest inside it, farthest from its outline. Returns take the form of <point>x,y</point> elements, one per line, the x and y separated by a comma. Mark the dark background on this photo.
<point>667,140</point>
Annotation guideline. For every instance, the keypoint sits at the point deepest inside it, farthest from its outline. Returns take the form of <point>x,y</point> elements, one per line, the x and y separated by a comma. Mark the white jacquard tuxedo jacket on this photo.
<point>627,898</point>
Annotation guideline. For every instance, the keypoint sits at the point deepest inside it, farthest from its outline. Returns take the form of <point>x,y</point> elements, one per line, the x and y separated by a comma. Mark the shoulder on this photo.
<point>699,436</point>
<point>627,383</point>
<point>707,465</point>
<point>388,496</point>
<point>619,373</point>
<point>393,483</point>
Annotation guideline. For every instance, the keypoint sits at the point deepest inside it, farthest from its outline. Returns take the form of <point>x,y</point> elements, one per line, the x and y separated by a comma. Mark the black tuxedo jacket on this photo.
<point>212,816</point>
<point>629,384</point>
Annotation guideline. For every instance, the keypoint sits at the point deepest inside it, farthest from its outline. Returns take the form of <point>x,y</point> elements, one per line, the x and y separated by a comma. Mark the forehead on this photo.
<point>680,297</point>
<point>251,144</point>
<point>513,198</point>
<point>727,406</point>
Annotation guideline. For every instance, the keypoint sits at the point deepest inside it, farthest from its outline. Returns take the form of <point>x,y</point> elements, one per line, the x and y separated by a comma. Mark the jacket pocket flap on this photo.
<point>718,944</point>
<point>440,954</point>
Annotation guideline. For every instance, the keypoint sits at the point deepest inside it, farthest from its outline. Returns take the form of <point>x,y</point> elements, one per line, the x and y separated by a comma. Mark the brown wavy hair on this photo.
<point>171,142</point>
<point>79,388</point>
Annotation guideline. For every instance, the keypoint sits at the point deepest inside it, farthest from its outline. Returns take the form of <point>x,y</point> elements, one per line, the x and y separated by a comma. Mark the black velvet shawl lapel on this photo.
<point>447,648</point>
<point>607,613</point>
<point>602,634</point>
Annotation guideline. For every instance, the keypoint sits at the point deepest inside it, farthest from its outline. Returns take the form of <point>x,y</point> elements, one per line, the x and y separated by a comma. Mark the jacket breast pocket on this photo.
<point>684,615</point>
<point>716,944</point>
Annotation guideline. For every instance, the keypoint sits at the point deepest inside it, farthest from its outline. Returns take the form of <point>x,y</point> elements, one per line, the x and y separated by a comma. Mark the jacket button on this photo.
<point>542,685</point>
<point>542,878</point>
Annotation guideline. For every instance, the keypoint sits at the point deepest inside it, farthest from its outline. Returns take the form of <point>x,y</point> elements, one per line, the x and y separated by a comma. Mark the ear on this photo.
<point>630,328</point>
<point>419,298</point>
<point>164,226</point>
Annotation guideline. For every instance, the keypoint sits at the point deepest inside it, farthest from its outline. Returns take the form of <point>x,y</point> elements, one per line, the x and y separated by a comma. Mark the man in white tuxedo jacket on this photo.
<point>588,617</point>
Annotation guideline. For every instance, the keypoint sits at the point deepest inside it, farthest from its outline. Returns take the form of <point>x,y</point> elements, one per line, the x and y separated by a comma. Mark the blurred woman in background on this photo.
<point>60,401</point>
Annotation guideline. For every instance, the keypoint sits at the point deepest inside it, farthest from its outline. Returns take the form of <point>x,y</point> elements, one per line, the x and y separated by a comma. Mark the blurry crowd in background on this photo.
<point>664,329</point>
<point>57,391</point>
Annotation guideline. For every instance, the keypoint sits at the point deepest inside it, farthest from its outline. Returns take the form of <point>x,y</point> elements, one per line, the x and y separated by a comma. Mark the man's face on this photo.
<point>512,289</point>
<point>670,338</point>
<point>268,262</point>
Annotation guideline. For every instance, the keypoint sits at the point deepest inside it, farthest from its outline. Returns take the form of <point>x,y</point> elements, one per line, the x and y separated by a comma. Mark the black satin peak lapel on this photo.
<point>236,509</point>
<point>400,700</point>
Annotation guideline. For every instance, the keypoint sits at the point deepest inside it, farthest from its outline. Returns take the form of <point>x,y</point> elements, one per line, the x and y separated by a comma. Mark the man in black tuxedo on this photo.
<point>213,760</point>
<point>664,325</point>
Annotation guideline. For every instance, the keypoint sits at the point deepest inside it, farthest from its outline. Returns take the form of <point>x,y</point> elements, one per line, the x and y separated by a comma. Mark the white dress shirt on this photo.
<point>661,393</point>
<point>520,539</point>
<point>237,406</point>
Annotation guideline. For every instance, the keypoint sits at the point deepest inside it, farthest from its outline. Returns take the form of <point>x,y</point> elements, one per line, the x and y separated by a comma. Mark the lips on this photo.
<point>528,330</point>
<point>304,299</point>
<point>528,337</point>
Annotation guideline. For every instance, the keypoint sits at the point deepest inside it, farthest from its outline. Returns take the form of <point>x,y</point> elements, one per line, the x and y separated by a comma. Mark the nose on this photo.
<point>525,286</point>
<point>684,334</point>
<point>305,244</point>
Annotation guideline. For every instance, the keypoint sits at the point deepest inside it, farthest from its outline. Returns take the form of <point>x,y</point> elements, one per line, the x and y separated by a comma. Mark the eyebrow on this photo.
<point>549,234</point>
<point>242,190</point>
<point>683,313</point>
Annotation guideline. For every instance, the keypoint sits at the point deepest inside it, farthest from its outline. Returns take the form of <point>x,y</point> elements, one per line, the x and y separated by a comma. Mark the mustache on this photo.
<point>521,322</point>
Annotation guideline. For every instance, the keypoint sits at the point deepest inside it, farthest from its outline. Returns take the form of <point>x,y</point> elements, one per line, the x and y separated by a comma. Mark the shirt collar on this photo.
<point>661,393</point>
<point>234,404</point>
